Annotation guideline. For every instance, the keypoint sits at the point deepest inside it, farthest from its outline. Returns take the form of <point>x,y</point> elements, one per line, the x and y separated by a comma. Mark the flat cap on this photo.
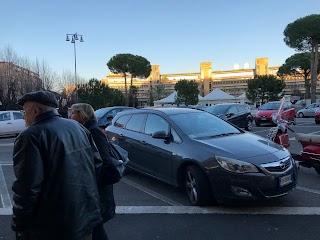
<point>43,97</point>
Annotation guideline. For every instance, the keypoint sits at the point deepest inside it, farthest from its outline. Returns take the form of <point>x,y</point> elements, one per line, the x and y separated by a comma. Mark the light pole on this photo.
<point>74,38</point>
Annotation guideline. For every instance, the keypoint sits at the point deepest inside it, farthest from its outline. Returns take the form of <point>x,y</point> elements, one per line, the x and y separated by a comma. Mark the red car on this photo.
<point>317,115</point>
<point>265,112</point>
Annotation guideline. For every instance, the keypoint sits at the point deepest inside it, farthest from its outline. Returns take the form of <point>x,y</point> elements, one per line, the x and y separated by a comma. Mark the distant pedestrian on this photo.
<point>63,109</point>
<point>55,163</point>
<point>84,114</point>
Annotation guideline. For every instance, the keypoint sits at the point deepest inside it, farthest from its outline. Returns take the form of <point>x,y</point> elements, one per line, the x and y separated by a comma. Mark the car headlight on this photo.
<point>236,166</point>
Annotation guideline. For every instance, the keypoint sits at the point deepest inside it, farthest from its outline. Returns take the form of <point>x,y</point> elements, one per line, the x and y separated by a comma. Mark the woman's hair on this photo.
<point>85,110</point>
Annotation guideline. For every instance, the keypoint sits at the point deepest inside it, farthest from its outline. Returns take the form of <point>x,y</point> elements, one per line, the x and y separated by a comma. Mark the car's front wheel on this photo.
<point>249,125</point>
<point>197,186</point>
<point>257,124</point>
<point>301,115</point>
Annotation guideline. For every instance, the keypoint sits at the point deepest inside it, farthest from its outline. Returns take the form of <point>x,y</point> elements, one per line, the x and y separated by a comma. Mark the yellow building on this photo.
<point>232,81</point>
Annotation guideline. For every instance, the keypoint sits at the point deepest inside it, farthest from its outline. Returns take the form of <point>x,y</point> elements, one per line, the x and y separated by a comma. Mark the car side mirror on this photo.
<point>160,135</point>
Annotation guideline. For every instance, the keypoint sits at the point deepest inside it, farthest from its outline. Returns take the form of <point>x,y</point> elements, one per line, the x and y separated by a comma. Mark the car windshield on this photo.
<point>203,124</point>
<point>270,106</point>
<point>100,113</point>
<point>219,109</point>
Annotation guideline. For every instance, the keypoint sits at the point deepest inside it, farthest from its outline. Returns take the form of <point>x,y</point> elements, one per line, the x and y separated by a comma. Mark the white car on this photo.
<point>11,123</point>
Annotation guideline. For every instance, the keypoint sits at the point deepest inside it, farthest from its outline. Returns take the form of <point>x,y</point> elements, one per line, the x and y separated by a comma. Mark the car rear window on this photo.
<point>121,121</point>
<point>136,122</point>
<point>270,106</point>
<point>17,115</point>
<point>101,112</point>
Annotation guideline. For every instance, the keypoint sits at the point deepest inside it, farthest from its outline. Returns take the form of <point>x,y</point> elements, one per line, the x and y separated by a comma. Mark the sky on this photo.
<point>176,34</point>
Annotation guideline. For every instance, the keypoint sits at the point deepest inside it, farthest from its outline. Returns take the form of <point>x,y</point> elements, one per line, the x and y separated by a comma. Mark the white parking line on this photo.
<point>206,210</point>
<point>4,194</point>
<point>6,144</point>
<point>218,210</point>
<point>152,193</point>
<point>308,190</point>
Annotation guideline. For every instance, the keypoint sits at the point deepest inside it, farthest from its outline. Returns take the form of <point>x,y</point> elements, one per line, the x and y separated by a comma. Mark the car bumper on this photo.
<point>263,120</point>
<point>252,185</point>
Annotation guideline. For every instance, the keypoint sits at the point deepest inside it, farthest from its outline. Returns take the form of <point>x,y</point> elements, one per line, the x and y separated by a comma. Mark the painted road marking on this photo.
<point>6,144</point>
<point>308,190</point>
<point>178,208</point>
<point>4,194</point>
<point>218,210</point>
<point>206,210</point>
<point>152,193</point>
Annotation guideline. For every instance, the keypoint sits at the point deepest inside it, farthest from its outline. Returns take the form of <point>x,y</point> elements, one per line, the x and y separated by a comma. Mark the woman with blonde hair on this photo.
<point>84,114</point>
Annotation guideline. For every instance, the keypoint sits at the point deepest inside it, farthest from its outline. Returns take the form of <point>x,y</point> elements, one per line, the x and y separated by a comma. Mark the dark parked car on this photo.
<point>237,114</point>
<point>206,156</point>
<point>105,115</point>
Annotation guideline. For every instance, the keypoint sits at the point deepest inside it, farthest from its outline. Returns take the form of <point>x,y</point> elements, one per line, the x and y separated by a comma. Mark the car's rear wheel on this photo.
<point>301,115</point>
<point>197,186</point>
<point>257,124</point>
<point>249,125</point>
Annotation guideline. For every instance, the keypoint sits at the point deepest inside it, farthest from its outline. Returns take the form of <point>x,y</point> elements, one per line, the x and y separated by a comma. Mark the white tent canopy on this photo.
<point>243,98</point>
<point>217,94</point>
<point>215,97</point>
<point>169,99</point>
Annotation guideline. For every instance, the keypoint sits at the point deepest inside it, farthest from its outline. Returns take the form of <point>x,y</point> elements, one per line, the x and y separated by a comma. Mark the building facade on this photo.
<point>233,81</point>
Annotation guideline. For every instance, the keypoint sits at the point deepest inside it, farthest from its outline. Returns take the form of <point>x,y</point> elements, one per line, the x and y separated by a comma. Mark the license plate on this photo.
<point>263,119</point>
<point>285,180</point>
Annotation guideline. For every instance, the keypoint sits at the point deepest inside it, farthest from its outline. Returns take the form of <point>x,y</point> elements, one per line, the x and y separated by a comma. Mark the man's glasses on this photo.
<point>23,112</point>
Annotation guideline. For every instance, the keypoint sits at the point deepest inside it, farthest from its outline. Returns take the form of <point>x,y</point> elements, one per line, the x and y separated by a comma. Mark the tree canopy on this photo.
<point>298,65</point>
<point>304,35</point>
<point>264,88</point>
<point>126,63</point>
<point>120,63</point>
<point>139,67</point>
<point>99,95</point>
<point>187,92</point>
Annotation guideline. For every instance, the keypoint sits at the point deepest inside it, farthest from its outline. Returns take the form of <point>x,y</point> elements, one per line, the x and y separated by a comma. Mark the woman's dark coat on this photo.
<point>105,191</point>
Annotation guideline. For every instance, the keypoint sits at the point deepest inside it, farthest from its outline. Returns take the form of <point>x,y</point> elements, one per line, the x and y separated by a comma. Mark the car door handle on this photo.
<point>143,142</point>
<point>9,123</point>
<point>121,136</point>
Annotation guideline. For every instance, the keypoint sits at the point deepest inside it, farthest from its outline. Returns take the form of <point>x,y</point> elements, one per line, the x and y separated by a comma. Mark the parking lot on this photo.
<point>140,195</point>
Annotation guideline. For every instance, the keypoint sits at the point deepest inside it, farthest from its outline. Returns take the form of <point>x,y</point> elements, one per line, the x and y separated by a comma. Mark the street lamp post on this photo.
<point>74,38</point>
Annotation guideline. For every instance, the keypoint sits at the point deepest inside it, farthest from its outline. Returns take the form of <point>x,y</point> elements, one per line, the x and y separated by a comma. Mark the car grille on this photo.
<point>274,192</point>
<point>279,166</point>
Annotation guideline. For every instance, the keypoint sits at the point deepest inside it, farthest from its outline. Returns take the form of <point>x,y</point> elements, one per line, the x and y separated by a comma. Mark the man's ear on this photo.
<point>36,110</point>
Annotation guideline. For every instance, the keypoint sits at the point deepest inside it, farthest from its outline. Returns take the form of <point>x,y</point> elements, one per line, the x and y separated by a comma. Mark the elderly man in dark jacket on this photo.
<point>56,164</point>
